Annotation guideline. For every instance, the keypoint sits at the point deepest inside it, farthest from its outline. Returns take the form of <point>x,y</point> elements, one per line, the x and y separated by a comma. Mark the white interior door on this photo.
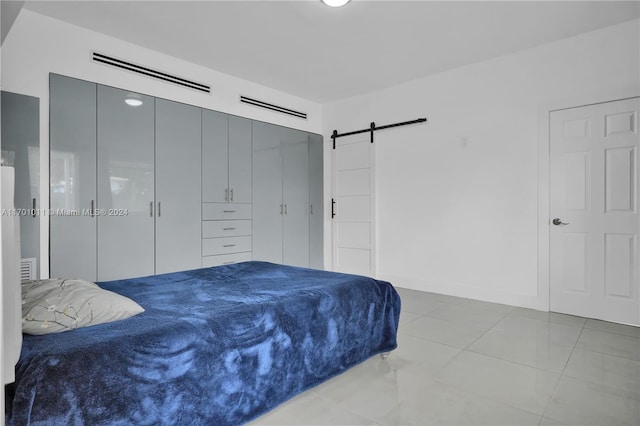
<point>594,211</point>
<point>353,193</point>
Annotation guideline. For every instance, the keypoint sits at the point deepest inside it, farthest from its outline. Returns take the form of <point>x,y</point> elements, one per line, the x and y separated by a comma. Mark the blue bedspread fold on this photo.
<point>215,346</point>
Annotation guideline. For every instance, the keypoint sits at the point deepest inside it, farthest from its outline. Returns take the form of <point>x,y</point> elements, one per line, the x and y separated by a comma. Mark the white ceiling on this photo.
<point>324,54</point>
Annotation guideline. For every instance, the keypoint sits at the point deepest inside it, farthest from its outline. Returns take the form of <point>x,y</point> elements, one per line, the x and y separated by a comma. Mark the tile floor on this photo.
<point>465,362</point>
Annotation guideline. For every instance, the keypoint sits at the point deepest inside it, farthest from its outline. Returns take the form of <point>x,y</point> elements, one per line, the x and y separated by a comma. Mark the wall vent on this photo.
<point>129,66</point>
<point>28,269</point>
<point>273,107</point>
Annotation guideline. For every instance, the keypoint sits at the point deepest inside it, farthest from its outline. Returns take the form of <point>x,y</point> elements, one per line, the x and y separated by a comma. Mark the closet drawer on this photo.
<point>225,228</point>
<point>214,246</point>
<point>225,259</point>
<point>223,211</point>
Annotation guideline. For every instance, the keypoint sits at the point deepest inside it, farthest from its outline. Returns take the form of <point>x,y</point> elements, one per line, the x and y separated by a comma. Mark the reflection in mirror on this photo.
<point>131,185</point>
<point>64,194</point>
<point>21,149</point>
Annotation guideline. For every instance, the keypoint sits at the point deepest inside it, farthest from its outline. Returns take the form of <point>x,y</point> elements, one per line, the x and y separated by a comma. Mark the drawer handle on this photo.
<point>228,211</point>
<point>229,245</point>
<point>228,229</point>
<point>229,263</point>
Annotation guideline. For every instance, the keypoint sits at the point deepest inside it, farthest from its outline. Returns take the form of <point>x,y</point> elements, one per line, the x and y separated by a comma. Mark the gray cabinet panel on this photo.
<point>226,158</point>
<point>226,228</point>
<point>225,259</point>
<point>21,140</point>
<point>225,211</point>
<point>295,190</point>
<point>316,196</point>
<point>215,163</point>
<point>125,185</point>
<point>225,245</point>
<point>239,159</point>
<point>178,182</point>
<point>287,180</point>
<point>72,143</point>
<point>267,192</point>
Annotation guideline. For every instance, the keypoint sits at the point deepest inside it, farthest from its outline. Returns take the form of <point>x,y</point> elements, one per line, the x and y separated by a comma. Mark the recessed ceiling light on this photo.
<point>335,3</point>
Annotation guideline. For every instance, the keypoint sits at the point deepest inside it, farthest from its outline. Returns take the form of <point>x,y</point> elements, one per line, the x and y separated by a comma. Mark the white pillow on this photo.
<point>55,305</point>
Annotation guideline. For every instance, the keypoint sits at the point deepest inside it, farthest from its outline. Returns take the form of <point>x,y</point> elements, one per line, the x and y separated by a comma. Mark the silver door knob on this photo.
<point>557,221</point>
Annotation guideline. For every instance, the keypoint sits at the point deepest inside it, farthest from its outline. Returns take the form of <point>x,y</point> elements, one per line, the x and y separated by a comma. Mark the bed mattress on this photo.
<point>218,345</point>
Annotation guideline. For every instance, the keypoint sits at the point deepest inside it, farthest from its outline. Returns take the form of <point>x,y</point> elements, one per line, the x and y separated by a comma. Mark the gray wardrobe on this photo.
<point>226,189</point>
<point>124,185</point>
<point>160,186</point>
<point>287,186</point>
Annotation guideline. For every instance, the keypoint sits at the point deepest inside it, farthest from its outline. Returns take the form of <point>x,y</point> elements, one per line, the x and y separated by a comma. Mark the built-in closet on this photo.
<point>287,182</point>
<point>142,185</point>
<point>72,181</point>
<point>226,189</point>
<point>125,182</point>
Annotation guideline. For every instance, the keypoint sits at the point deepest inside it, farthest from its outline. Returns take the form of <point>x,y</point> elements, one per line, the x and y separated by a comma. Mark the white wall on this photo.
<point>38,45</point>
<point>458,197</point>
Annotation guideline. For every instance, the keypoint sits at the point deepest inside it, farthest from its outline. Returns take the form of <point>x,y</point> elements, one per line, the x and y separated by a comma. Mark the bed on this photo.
<point>215,346</point>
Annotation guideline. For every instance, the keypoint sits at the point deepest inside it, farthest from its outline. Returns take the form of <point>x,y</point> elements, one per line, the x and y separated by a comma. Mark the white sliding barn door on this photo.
<point>354,196</point>
<point>594,211</point>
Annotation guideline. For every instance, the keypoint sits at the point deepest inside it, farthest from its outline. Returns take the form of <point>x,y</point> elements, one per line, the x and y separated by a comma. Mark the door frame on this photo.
<point>544,180</point>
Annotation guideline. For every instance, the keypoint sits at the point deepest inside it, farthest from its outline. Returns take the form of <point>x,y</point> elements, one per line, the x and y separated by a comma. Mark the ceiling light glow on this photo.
<point>131,101</point>
<point>335,3</point>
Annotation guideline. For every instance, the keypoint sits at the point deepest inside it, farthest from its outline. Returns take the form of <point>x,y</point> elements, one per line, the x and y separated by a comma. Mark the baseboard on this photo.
<point>469,292</point>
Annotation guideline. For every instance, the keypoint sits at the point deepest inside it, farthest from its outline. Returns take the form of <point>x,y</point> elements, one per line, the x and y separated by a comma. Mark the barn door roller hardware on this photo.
<point>372,128</point>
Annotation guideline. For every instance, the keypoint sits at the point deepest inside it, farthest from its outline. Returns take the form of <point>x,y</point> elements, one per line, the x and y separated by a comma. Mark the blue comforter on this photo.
<point>215,346</point>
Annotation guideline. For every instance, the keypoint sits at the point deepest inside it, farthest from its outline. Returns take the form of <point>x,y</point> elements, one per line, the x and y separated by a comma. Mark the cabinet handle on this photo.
<point>310,208</point>
<point>229,245</point>
<point>228,229</point>
<point>226,194</point>
<point>229,263</point>
<point>92,212</point>
<point>232,195</point>
<point>285,209</point>
<point>159,211</point>
<point>33,208</point>
<point>281,209</point>
<point>151,209</point>
<point>228,211</point>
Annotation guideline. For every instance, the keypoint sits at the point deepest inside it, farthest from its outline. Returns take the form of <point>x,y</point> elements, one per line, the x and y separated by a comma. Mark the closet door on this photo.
<point>267,193</point>
<point>295,190</point>
<point>316,205</point>
<point>72,144</point>
<point>215,162</point>
<point>239,160</point>
<point>126,205</point>
<point>178,183</point>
